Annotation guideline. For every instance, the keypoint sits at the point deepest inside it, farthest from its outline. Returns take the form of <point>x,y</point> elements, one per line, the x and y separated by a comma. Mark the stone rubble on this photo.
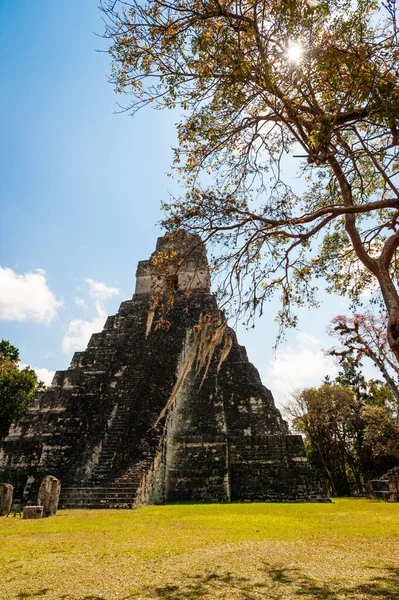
<point>33,512</point>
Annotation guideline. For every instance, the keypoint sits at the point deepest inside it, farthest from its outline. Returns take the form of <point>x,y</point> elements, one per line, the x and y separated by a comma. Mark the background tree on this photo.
<point>328,416</point>
<point>17,387</point>
<point>365,335</point>
<point>380,448</point>
<point>350,428</point>
<point>8,352</point>
<point>258,80</point>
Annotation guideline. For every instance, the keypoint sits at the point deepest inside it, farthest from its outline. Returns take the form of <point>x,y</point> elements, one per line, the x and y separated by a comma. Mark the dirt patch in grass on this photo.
<point>340,551</point>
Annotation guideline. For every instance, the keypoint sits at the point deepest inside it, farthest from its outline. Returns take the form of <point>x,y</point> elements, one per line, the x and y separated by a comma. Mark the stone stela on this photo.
<point>148,415</point>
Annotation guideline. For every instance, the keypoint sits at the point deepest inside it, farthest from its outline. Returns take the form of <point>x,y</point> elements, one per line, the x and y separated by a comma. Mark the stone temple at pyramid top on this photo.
<point>184,265</point>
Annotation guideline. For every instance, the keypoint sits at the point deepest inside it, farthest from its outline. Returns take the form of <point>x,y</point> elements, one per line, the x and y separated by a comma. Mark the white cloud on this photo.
<point>26,297</point>
<point>43,374</point>
<point>80,330</point>
<point>80,302</point>
<point>306,339</point>
<point>100,290</point>
<point>299,366</point>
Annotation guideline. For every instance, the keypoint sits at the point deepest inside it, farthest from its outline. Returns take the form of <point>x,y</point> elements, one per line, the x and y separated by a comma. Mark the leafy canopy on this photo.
<point>261,84</point>
<point>17,387</point>
<point>8,352</point>
<point>350,428</point>
<point>364,335</point>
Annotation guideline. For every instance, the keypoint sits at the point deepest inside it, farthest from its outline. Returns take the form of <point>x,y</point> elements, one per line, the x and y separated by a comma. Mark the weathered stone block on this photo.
<point>33,512</point>
<point>6,492</point>
<point>377,489</point>
<point>393,487</point>
<point>49,495</point>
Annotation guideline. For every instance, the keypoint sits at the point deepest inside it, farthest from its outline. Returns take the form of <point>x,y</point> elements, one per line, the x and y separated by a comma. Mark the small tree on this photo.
<point>365,335</point>
<point>328,416</point>
<point>17,387</point>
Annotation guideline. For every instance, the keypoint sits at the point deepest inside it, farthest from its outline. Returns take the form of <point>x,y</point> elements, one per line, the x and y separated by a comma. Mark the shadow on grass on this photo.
<point>91,597</point>
<point>279,583</point>
<point>37,594</point>
<point>204,586</point>
<point>274,583</point>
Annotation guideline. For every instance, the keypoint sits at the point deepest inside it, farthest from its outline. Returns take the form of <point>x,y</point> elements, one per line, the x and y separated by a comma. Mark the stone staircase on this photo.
<point>100,489</point>
<point>112,444</point>
<point>120,493</point>
<point>111,496</point>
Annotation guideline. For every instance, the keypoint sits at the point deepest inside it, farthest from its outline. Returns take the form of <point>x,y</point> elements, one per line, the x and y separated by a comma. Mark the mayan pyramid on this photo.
<point>150,414</point>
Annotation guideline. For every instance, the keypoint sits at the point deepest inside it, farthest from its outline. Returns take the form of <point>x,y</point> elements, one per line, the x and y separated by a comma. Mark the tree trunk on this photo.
<point>356,474</point>
<point>391,300</point>
<point>390,382</point>
<point>327,470</point>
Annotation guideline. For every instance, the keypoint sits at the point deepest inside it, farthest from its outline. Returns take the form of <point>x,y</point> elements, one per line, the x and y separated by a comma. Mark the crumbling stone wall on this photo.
<point>386,487</point>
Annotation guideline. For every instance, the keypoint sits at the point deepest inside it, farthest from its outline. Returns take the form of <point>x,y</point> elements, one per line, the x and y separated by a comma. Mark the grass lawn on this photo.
<point>345,550</point>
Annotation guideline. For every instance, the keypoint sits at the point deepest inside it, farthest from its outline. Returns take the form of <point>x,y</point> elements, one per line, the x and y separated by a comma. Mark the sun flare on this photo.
<point>295,52</point>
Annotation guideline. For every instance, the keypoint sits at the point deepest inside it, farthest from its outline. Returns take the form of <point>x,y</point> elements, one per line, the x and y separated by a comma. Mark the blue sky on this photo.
<point>80,191</point>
